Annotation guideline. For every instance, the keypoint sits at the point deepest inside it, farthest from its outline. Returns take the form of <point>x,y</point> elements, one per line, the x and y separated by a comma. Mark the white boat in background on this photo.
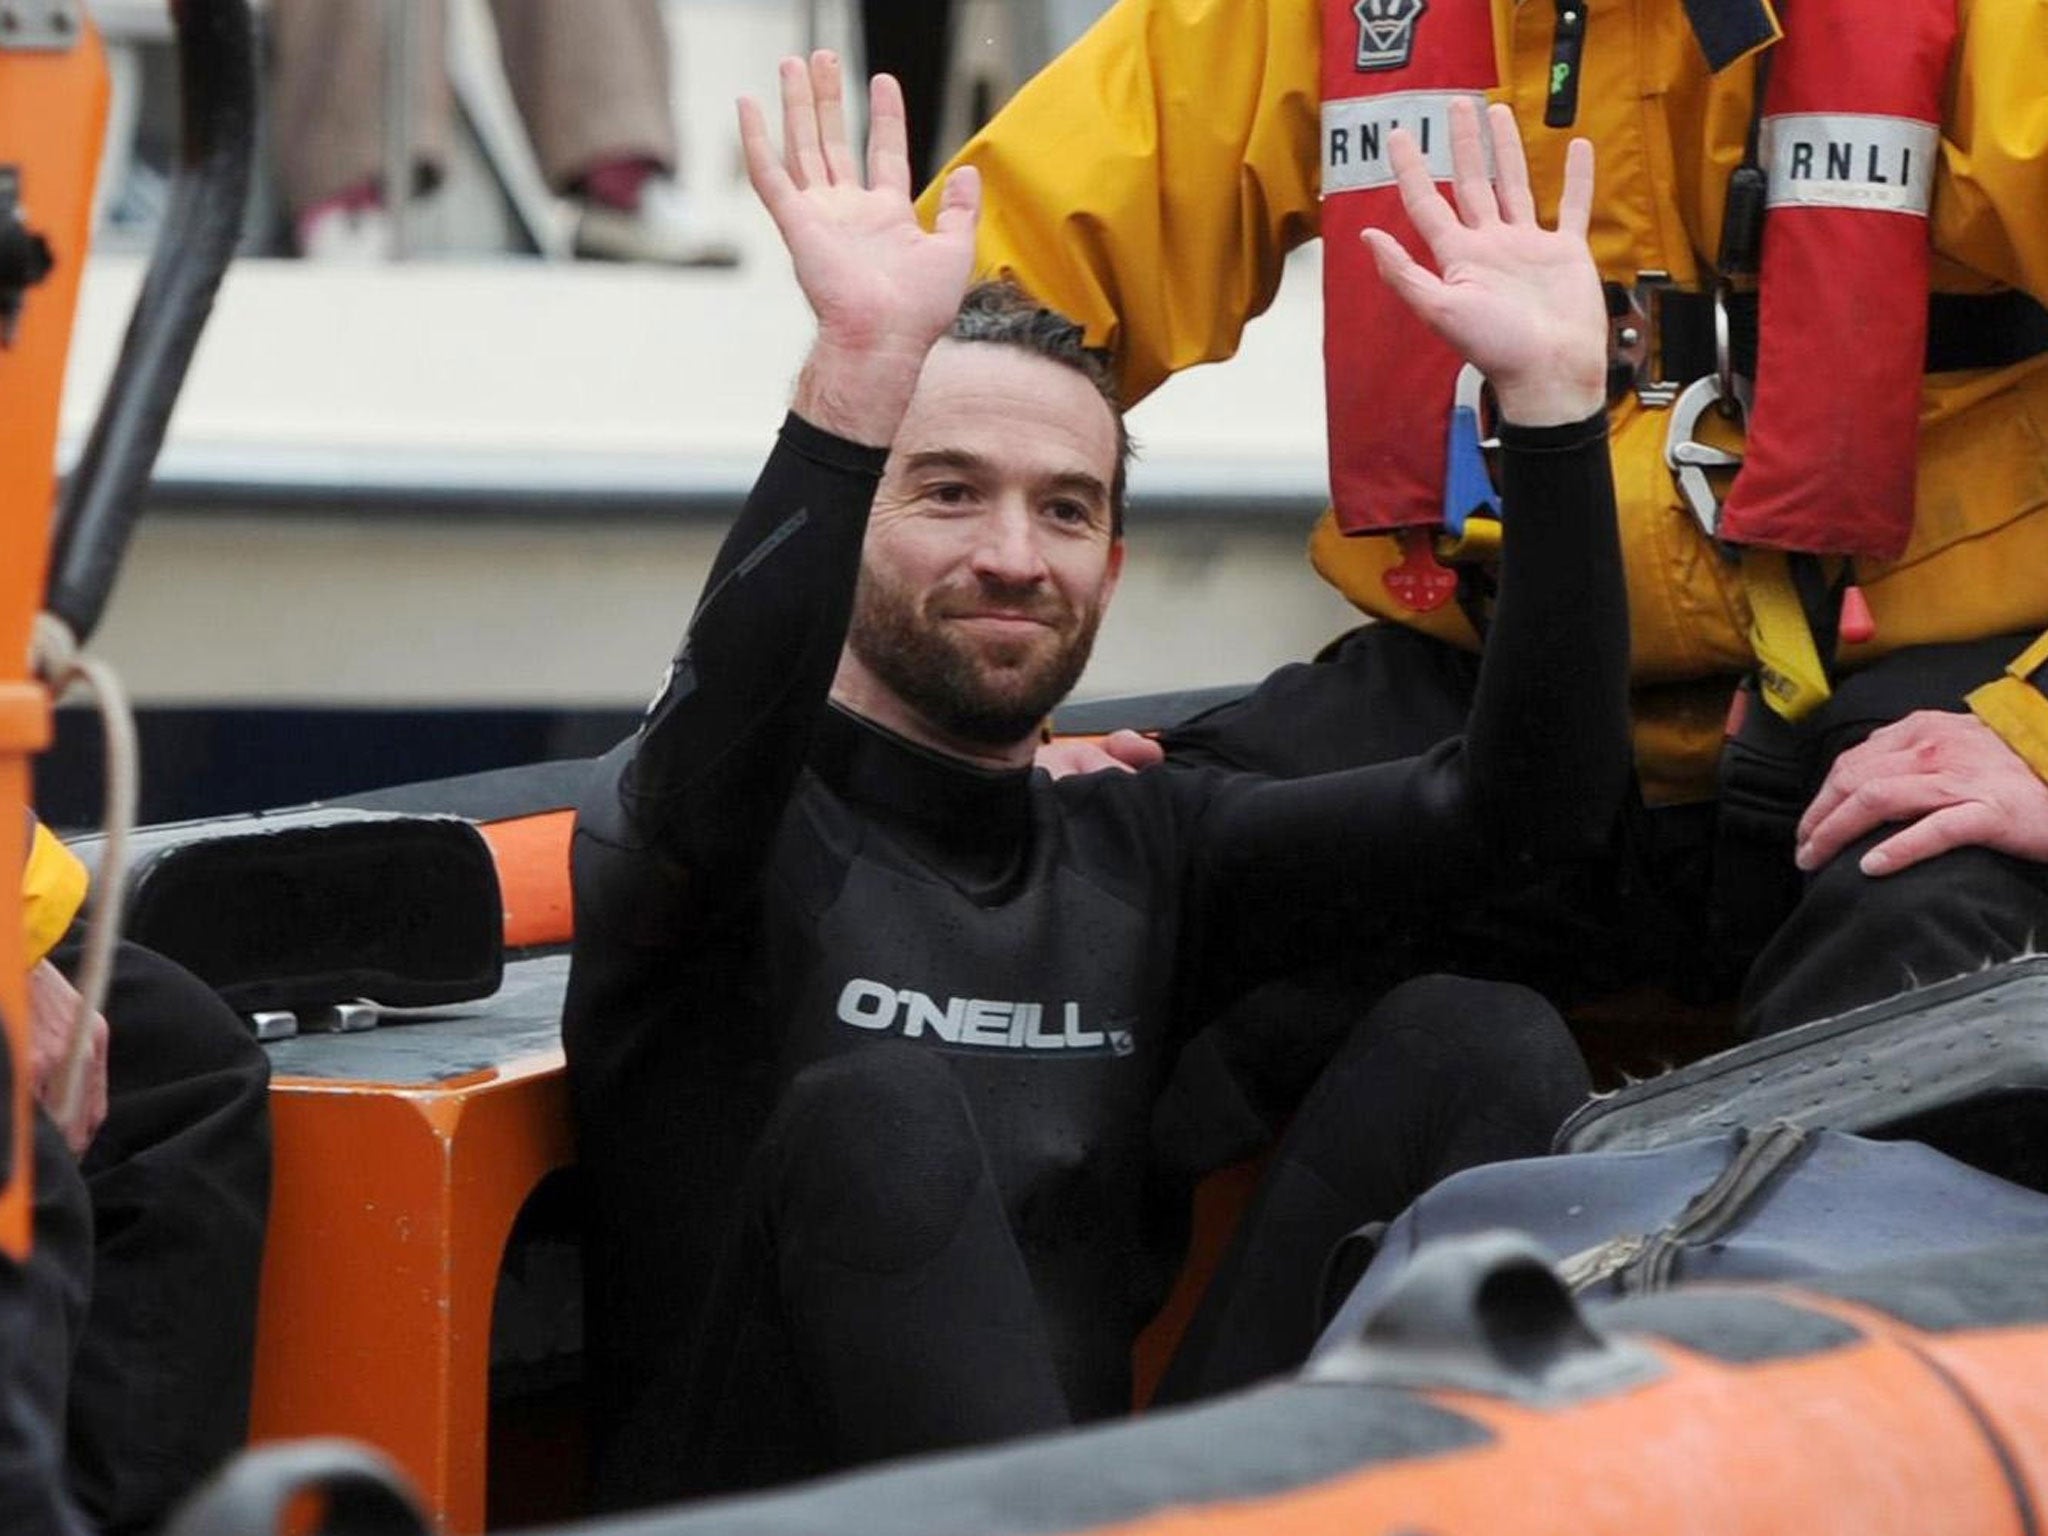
<point>492,483</point>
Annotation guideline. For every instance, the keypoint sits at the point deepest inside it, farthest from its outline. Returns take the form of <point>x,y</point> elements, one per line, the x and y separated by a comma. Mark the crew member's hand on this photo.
<point>53,1013</point>
<point>1521,303</point>
<point>1950,776</point>
<point>882,288</point>
<point>1125,751</point>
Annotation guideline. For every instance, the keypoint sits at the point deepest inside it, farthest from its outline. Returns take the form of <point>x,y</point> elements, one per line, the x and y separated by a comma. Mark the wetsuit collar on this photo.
<point>972,824</point>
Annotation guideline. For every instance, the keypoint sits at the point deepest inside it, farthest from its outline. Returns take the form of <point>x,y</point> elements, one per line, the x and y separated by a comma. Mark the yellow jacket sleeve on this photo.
<point>1993,218</point>
<point>1149,181</point>
<point>2013,705</point>
<point>1988,208</point>
<point>53,887</point>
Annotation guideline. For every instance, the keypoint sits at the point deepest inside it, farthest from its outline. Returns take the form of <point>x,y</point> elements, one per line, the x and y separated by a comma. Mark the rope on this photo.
<point>56,659</point>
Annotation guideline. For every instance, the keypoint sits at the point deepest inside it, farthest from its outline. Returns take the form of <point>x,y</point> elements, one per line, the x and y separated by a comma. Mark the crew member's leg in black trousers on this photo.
<point>179,1177</point>
<point>1854,939</point>
<point>1851,939</point>
<point>871,1302</point>
<point>1443,1074</point>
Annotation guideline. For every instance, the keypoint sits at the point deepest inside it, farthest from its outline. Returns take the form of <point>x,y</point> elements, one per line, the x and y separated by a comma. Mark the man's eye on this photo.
<point>1074,514</point>
<point>951,494</point>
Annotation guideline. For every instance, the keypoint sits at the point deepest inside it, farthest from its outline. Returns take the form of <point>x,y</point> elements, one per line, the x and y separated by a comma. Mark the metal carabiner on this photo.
<point>1724,351</point>
<point>1689,459</point>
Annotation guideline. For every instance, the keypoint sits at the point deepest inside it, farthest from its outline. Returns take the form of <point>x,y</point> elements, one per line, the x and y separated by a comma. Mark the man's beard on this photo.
<point>990,693</point>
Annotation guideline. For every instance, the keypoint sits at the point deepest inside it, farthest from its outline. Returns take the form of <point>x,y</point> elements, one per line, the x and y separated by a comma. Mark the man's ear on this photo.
<point>1114,570</point>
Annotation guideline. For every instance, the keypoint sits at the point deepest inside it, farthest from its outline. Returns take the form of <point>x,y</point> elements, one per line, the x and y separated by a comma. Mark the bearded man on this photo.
<point>870,1024</point>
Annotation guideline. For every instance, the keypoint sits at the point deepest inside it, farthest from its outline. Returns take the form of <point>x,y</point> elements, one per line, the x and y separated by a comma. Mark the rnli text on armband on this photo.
<point>1850,160</point>
<point>1355,133</point>
<point>986,1023</point>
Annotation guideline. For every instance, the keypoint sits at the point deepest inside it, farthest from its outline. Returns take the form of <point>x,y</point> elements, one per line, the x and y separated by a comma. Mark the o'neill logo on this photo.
<point>1386,31</point>
<point>983,1022</point>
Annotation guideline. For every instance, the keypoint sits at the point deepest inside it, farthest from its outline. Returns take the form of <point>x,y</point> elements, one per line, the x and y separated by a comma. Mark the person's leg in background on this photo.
<point>913,40</point>
<point>593,82</point>
<point>327,62</point>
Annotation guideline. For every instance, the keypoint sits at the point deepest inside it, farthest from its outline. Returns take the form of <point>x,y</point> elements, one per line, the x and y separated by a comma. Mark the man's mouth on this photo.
<point>1002,621</point>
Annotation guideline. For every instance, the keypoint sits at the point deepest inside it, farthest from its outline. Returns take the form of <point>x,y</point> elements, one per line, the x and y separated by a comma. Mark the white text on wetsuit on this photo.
<point>973,1021</point>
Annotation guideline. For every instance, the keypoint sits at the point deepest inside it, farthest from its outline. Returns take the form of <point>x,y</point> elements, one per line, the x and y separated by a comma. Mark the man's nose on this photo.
<point>1008,550</point>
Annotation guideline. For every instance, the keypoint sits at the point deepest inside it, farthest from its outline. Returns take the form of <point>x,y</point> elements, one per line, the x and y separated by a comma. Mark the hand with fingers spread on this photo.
<point>1522,303</point>
<point>882,288</point>
<point>1948,776</point>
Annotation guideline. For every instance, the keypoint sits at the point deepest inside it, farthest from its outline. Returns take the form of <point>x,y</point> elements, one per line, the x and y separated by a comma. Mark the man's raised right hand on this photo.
<point>882,288</point>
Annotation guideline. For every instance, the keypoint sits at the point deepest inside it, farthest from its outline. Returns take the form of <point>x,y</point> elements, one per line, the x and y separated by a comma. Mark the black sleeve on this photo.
<point>1284,869</point>
<point>703,784</point>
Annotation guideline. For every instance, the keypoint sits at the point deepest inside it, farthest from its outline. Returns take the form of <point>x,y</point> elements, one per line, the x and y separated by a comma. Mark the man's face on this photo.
<point>989,557</point>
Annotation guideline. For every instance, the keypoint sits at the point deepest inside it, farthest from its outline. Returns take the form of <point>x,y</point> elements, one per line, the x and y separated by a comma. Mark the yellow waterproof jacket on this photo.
<point>53,886</point>
<point>1149,182</point>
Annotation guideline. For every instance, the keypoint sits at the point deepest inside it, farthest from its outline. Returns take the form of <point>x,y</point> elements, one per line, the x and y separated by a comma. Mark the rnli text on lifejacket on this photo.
<point>1355,133</point>
<point>1850,160</point>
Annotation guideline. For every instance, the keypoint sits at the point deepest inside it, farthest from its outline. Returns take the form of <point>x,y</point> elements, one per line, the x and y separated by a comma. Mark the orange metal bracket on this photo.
<point>53,115</point>
<point>393,1207</point>
<point>24,730</point>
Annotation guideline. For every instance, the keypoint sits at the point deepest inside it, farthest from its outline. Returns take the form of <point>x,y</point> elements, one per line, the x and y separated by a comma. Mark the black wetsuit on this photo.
<point>973,984</point>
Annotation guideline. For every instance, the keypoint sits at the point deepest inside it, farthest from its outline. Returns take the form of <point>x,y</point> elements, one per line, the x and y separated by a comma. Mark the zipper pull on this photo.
<point>1561,109</point>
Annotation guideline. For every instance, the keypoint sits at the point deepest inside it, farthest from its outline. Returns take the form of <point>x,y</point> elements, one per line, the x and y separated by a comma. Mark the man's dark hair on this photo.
<point>1001,313</point>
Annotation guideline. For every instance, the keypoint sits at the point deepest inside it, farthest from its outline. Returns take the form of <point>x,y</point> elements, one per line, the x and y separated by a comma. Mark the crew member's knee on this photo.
<point>1478,1038</point>
<point>1498,1016</point>
<point>1983,897</point>
<point>875,1157</point>
<point>1856,939</point>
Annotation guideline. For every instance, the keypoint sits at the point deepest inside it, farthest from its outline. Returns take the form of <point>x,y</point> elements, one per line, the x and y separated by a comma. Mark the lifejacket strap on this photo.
<point>2014,706</point>
<point>1793,679</point>
<point>1965,331</point>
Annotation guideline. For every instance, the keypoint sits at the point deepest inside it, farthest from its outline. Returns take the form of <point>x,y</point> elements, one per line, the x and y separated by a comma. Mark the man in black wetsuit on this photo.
<point>869,1024</point>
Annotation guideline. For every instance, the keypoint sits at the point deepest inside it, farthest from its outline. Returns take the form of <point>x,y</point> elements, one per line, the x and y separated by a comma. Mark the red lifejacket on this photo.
<point>1851,129</point>
<point>1389,380</point>
<point>1853,107</point>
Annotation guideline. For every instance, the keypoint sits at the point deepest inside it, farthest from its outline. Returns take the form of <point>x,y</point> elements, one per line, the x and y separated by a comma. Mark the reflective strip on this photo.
<point>1355,136</point>
<point>1850,160</point>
